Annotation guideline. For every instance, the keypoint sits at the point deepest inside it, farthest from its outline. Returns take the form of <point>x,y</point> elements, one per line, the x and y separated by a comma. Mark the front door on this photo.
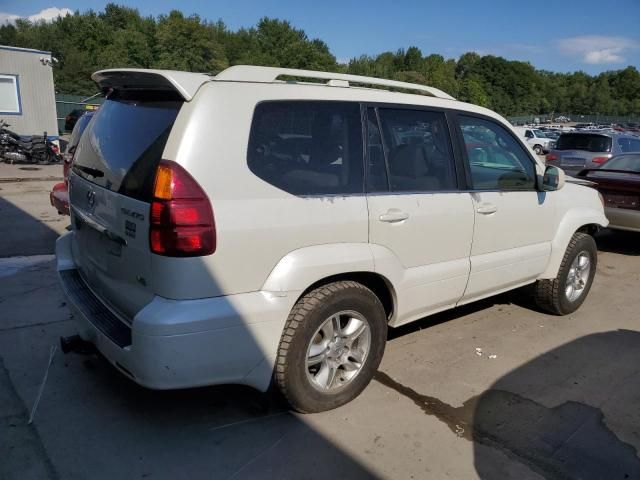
<point>513,221</point>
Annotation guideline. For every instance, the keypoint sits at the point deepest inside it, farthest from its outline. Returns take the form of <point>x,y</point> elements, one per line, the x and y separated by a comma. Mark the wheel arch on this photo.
<point>375,282</point>
<point>584,220</point>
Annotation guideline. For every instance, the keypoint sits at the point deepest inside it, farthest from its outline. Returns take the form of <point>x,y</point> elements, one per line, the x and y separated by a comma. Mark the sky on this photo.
<point>566,35</point>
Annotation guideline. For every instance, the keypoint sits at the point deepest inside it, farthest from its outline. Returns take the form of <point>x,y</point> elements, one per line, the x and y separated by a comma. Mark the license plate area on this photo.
<point>573,161</point>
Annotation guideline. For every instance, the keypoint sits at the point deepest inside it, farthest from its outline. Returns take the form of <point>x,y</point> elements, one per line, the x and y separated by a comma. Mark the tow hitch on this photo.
<point>76,344</point>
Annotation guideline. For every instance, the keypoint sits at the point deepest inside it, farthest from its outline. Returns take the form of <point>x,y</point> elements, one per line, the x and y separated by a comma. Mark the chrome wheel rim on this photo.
<point>338,350</point>
<point>578,276</point>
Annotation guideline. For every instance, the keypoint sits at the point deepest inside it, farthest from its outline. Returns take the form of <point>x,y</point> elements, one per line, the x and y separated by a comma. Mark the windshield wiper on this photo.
<point>94,172</point>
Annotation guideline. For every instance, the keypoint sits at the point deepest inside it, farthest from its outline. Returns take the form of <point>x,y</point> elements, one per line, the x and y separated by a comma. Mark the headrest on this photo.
<point>408,161</point>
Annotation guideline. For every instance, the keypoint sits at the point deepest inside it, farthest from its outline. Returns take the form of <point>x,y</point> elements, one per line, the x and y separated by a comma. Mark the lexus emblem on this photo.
<point>91,198</point>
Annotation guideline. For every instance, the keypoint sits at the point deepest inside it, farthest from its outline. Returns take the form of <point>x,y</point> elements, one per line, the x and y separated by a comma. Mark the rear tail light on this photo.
<point>182,223</point>
<point>599,160</point>
<point>552,157</point>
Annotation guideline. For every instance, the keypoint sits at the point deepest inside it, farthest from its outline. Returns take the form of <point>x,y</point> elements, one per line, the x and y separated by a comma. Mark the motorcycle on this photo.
<point>35,149</point>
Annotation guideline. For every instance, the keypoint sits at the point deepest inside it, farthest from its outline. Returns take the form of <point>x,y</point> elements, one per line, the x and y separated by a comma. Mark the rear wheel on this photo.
<point>331,346</point>
<point>565,293</point>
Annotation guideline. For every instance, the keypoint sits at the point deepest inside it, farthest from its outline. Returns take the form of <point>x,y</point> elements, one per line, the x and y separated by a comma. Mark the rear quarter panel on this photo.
<point>256,223</point>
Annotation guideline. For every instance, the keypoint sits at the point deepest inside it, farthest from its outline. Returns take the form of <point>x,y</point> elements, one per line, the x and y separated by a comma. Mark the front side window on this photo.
<point>418,150</point>
<point>9,94</point>
<point>308,147</point>
<point>496,160</point>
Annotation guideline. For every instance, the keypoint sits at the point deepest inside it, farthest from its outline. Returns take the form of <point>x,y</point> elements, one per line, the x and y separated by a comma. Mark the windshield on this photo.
<point>629,163</point>
<point>581,141</point>
<point>540,133</point>
<point>124,142</point>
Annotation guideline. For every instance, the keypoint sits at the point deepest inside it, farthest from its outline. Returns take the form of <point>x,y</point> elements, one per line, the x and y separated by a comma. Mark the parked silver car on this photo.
<point>575,151</point>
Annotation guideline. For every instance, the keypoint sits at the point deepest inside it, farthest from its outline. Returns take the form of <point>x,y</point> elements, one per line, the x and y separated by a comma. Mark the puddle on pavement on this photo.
<point>29,168</point>
<point>567,441</point>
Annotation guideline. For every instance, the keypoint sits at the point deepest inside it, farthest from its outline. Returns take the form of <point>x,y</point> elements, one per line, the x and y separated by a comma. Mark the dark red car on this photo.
<point>59,195</point>
<point>618,180</point>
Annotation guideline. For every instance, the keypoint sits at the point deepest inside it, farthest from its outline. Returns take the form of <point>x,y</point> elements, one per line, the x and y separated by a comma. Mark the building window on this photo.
<point>9,94</point>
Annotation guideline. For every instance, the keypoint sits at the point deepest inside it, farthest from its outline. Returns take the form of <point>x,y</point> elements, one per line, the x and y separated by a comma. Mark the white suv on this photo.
<point>242,228</point>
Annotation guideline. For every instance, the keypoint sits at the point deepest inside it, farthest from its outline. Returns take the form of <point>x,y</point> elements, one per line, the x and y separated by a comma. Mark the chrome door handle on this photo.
<point>487,208</point>
<point>393,216</point>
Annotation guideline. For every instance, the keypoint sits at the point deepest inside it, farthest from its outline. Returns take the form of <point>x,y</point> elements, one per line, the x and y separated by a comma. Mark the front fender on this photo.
<point>305,266</point>
<point>571,222</point>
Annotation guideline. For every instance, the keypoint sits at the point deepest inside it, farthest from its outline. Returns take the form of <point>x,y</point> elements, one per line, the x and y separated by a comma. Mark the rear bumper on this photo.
<point>59,198</point>
<point>623,219</point>
<point>181,343</point>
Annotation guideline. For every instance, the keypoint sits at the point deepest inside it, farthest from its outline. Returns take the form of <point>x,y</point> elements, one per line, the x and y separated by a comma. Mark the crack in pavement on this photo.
<point>21,449</point>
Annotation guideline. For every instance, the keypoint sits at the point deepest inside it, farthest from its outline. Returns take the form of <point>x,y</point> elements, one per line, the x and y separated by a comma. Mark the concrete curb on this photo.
<point>30,179</point>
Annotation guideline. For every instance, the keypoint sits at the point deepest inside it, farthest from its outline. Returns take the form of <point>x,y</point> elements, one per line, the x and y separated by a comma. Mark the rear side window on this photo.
<point>629,144</point>
<point>418,148</point>
<point>583,141</point>
<point>308,148</point>
<point>124,143</point>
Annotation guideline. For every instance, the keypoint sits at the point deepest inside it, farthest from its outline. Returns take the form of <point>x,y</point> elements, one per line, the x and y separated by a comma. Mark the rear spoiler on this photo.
<point>185,83</point>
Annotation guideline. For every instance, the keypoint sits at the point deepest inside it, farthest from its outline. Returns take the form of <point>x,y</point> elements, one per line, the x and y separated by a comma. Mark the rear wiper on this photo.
<point>94,172</point>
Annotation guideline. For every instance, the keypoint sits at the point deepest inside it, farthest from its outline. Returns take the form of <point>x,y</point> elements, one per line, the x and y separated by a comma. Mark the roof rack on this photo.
<point>247,73</point>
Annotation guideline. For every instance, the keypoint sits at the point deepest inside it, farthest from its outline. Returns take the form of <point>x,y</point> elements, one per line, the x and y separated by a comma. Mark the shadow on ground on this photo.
<point>569,413</point>
<point>618,241</point>
<point>21,233</point>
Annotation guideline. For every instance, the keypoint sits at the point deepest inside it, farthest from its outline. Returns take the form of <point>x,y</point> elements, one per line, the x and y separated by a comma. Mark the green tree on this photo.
<point>185,43</point>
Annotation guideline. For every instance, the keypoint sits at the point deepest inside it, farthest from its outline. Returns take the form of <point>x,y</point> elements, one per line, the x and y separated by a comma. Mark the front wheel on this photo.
<point>565,293</point>
<point>331,346</point>
<point>538,150</point>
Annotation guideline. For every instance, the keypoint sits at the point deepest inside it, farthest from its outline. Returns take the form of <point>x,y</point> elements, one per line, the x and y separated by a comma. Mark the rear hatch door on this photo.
<point>110,190</point>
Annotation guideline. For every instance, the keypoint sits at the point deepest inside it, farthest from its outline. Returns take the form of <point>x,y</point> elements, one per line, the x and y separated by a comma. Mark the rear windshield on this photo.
<point>82,123</point>
<point>624,162</point>
<point>582,141</point>
<point>125,141</point>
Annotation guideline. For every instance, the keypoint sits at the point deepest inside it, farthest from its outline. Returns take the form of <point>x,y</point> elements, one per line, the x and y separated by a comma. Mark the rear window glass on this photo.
<point>581,141</point>
<point>624,162</point>
<point>629,144</point>
<point>308,147</point>
<point>79,128</point>
<point>124,144</point>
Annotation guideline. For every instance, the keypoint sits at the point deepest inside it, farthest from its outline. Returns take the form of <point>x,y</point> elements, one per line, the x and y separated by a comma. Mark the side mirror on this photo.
<point>554,179</point>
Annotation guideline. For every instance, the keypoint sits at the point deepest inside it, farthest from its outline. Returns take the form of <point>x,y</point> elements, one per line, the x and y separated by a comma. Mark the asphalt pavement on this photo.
<point>493,390</point>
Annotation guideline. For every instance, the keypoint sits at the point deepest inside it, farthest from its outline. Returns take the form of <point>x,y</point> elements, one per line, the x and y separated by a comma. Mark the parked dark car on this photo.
<point>575,151</point>
<point>618,180</point>
<point>59,195</point>
<point>71,119</point>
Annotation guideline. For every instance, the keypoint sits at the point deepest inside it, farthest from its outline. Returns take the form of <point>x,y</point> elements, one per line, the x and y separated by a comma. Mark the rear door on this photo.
<point>416,212</point>
<point>110,190</point>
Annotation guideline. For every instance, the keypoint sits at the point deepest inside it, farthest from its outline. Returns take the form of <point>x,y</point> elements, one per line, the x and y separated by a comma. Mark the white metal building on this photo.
<point>27,96</point>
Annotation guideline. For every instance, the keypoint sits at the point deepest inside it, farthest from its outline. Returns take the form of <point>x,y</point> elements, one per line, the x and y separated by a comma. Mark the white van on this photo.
<point>248,228</point>
<point>537,139</point>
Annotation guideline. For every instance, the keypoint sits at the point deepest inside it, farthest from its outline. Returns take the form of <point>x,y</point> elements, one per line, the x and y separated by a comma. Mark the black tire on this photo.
<point>306,317</point>
<point>538,149</point>
<point>550,295</point>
